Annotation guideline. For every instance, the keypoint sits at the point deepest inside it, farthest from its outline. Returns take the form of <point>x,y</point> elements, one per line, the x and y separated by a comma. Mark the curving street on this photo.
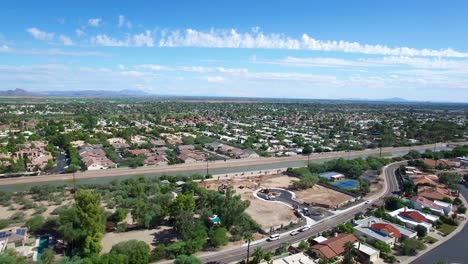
<point>323,225</point>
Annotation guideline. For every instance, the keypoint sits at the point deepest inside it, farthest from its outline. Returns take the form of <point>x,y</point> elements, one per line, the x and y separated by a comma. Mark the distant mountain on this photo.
<point>18,93</point>
<point>99,93</point>
<point>395,99</point>
<point>85,93</point>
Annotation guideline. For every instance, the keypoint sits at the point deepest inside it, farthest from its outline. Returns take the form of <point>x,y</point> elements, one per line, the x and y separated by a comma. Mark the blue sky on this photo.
<point>297,49</point>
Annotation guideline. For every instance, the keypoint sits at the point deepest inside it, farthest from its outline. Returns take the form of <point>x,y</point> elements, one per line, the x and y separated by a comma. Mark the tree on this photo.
<point>307,150</point>
<point>393,203</point>
<point>411,246</point>
<point>349,253</point>
<point>184,259</point>
<point>258,255</point>
<point>48,256</point>
<point>346,228</point>
<point>306,181</point>
<point>138,252</point>
<point>82,226</point>
<point>218,237</point>
<point>303,245</point>
<point>383,247</point>
<point>120,214</point>
<point>35,223</point>
<point>421,230</point>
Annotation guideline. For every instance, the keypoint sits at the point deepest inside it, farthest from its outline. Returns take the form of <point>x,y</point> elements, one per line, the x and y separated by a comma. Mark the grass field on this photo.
<point>447,229</point>
<point>430,240</point>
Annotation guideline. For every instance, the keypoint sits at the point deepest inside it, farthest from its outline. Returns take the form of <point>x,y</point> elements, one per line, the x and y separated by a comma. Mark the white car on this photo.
<point>273,237</point>
<point>293,233</point>
<point>305,228</point>
<point>367,202</point>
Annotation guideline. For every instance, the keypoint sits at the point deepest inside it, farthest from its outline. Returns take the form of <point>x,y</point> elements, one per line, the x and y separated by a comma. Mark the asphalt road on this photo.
<point>177,168</point>
<point>240,253</point>
<point>454,250</point>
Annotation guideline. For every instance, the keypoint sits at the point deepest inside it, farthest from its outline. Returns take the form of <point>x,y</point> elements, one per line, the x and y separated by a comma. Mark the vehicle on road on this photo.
<point>293,233</point>
<point>305,228</point>
<point>273,237</point>
<point>367,202</point>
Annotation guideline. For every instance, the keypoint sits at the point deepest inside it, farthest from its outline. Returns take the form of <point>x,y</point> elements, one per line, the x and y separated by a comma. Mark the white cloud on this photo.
<point>66,40</point>
<point>137,40</point>
<point>153,67</point>
<point>79,32</point>
<point>94,22</point>
<point>5,48</point>
<point>121,21</point>
<point>39,34</point>
<point>314,62</point>
<point>255,39</point>
<point>215,79</point>
<point>52,52</point>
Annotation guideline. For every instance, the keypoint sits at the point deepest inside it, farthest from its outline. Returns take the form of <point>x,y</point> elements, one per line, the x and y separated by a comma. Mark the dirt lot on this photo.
<point>322,195</point>
<point>264,213</point>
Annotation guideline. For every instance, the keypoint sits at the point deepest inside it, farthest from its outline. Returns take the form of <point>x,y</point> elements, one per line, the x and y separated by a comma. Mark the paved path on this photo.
<point>454,250</point>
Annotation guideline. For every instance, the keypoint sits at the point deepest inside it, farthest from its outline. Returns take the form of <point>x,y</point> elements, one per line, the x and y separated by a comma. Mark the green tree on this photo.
<point>411,246</point>
<point>184,259</point>
<point>393,203</point>
<point>35,223</point>
<point>383,247</point>
<point>258,255</point>
<point>120,214</point>
<point>421,231</point>
<point>138,252</point>
<point>346,228</point>
<point>303,245</point>
<point>349,253</point>
<point>82,226</point>
<point>218,237</point>
<point>48,256</point>
<point>248,237</point>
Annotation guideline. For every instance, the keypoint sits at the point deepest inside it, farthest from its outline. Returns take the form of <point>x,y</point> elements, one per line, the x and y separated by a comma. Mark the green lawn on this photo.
<point>447,229</point>
<point>430,240</point>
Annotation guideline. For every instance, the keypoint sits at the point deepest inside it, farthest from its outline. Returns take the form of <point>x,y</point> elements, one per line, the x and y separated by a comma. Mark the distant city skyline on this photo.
<point>319,50</point>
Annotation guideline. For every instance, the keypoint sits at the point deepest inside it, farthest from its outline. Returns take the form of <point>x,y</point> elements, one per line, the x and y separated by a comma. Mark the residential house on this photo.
<point>443,162</point>
<point>366,253</point>
<point>298,258</point>
<point>374,229</point>
<point>413,218</point>
<point>118,143</point>
<point>332,247</point>
<point>420,202</point>
<point>13,238</point>
<point>434,192</point>
<point>95,158</point>
<point>137,152</point>
<point>155,159</point>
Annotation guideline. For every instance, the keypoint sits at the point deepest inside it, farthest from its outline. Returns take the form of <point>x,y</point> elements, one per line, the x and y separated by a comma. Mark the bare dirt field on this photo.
<point>149,236</point>
<point>267,214</point>
<point>323,196</point>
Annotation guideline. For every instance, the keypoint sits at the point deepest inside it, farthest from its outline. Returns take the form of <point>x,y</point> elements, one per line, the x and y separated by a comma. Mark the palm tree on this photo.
<point>248,238</point>
<point>349,253</point>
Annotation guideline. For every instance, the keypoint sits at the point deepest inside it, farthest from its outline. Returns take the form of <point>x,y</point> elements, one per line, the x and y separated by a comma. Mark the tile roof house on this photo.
<point>420,202</point>
<point>374,229</point>
<point>332,247</point>
<point>435,193</point>
<point>140,152</point>
<point>435,163</point>
<point>155,160</point>
<point>413,218</point>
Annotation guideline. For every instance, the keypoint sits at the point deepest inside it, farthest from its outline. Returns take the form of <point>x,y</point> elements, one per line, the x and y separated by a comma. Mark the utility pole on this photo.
<point>207,171</point>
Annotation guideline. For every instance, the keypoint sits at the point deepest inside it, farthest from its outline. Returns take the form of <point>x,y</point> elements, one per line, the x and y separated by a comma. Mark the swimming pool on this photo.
<point>43,245</point>
<point>346,184</point>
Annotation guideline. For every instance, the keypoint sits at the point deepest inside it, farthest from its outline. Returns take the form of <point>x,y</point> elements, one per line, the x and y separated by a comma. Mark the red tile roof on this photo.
<point>387,228</point>
<point>334,246</point>
<point>414,215</point>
